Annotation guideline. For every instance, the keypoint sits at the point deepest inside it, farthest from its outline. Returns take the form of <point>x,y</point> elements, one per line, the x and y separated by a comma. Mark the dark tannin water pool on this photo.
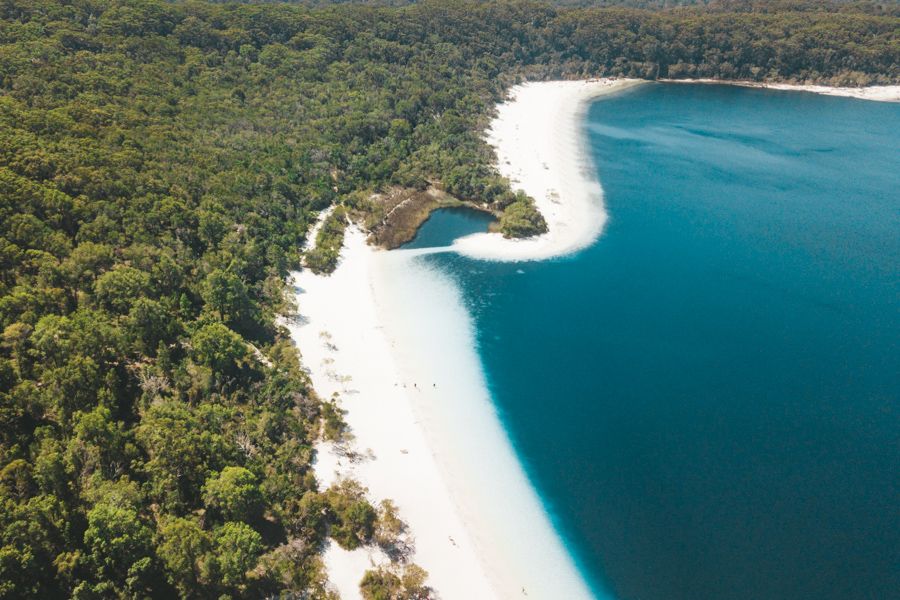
<point>708,398</point>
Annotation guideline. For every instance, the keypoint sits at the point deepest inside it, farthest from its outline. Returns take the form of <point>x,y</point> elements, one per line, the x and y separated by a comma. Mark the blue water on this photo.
<point>708,398</point>
<point>446,224</point>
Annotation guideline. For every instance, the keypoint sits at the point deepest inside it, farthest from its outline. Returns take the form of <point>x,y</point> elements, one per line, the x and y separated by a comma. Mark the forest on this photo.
<point>160,166</point>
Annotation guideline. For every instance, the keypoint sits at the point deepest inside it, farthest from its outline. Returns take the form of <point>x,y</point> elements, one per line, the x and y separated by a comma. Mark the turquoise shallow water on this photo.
<point>708,398</point>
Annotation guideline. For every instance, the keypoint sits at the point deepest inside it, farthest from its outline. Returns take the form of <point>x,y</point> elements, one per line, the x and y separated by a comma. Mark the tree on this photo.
<point>117,542</point>
<point>234,494</point>
<point>383,584</point>
<point>16,480</point>
<point>148,325</point>
<point>183,547</point>
<point>218,347</point>
<point>15,341</point>
<point>352,517</point>
<point>183,446</point>
<point>87,262</point>
<point>390,532</point>
<point>98,444</point>
<point>226,296</point>
<point>236,550</point>
<point>32,535</point>
<point>379,584</point>
<point>116,290</point>
<point>73,386</point>
<point>522,219</point>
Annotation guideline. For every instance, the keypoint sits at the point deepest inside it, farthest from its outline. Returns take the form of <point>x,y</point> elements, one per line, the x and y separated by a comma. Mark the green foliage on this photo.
<point>237,548</point>
<point>217,347</point>
<point>32,532</point>
<point>355,523</point>
<point>323,257</point>
<point>98,446</point>
<point>119,547</point>
<point>183,444</point>
<point>352,517</point>
<point>296,565</point>
<point>334,426</point>
<point>379,585</point>
<point>383,584</point>
<point>522,219</point>
<point>233,494</point>
<point>226,296</point>
<point>183,549</point>
<point>116,290</point>
<point>149,323</point>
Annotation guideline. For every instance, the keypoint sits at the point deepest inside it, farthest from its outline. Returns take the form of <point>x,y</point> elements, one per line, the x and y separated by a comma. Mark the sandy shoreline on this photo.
<point>341,335</point>
<point>540,144</point>
<point>539,139</point>
<point>876,93</point>
<point>391,337</point>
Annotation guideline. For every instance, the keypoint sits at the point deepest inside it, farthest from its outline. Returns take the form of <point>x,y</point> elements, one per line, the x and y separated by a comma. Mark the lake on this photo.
<point>707,399</point>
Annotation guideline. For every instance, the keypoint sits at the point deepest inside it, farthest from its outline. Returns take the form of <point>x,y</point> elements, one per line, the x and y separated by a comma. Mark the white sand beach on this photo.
<point>393,339</point>
<point>348,353</point>
<point>390,336</point>
<point>539,139</point>
<point>877,93</point>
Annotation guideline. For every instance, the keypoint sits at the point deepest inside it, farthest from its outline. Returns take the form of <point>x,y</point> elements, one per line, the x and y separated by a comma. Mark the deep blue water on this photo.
<point>708,398</point>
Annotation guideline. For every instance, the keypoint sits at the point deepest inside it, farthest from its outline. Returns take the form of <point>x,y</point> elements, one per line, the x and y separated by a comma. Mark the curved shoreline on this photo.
<point>384,325</point>
<point>540,142</point>
<point>540,145</point>
<point>391,337</point>
<point>399,350</point>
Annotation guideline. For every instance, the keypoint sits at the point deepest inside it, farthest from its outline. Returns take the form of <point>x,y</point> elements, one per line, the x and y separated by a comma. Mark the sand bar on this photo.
<point>541,146</point>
